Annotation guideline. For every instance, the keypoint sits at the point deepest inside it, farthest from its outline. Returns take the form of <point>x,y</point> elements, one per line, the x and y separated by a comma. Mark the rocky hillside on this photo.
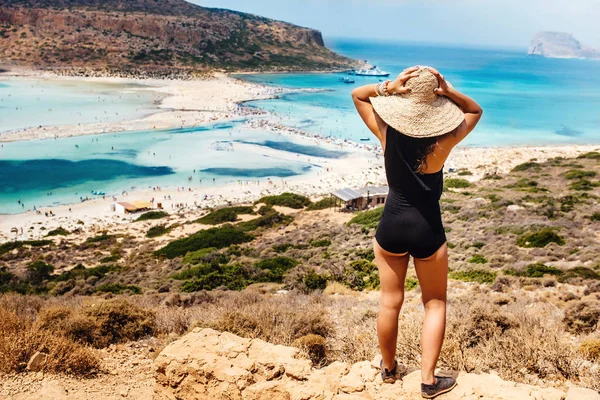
<point>166,35</point>
<point>560,45</point>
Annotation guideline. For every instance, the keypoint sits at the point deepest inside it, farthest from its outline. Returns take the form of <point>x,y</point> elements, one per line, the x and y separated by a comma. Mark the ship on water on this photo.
<point>375,71</point>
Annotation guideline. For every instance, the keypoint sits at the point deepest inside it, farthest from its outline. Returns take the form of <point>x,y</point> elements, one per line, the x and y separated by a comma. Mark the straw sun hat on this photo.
<point>419,113</point>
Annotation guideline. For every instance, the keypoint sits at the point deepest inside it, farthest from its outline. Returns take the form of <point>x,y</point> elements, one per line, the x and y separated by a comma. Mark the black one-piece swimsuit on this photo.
<point>412,219</point>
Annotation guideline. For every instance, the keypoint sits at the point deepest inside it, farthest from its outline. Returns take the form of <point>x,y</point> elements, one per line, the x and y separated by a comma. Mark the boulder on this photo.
<point>37,361</point>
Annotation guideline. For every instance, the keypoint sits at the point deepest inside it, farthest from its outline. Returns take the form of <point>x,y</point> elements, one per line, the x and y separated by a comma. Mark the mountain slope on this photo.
<point>161,35</point>
<point>560,45</point>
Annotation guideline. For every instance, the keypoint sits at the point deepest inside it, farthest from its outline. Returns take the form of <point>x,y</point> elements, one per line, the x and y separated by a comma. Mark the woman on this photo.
<point>419,118</point>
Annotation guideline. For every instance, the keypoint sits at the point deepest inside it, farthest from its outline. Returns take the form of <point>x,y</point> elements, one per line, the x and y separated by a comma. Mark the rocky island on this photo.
<point>560,45</point>
<point>167,37</point>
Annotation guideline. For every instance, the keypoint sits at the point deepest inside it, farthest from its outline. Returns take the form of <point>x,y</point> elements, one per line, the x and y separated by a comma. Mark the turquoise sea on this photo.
<point>527,101</point>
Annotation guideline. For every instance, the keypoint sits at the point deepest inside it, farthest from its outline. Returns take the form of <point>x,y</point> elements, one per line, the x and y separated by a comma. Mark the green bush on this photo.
<point>268,220</point>
<point>367,254</point>
<point>198,256</point>
<point>158,230</point>
<point>275,267</point>
<point>578,272</point>
<point>477,259</point>
<point>109,259</point>
<point>582,185</point>
<point>362,274</point>
<point>314,281</point>
<point>291,200</point>
<point>595,216</point>
<point>368,219</point>
<point>322,204</point>
<point>456,183</point>
<point>540,238</point>
<point>464,172</point>
<point>579,174</point>
<point>103,237</point>
<point>410,283</point>
<point>592,155</point>
<point>227,214</point>
<point>214,237</point>
<point>197,271</point>
<point>38,271</point>
<point>526,166</point>
<point>150,215</point>
<point>264,210</point>
<point>58,231</point>
<point>473,275</point>
<point>537,270</point>
<point>118,288</point>
<point>478,245</point>
<point>450,245</point>
<point>282,248</point>
<point>321,243</point>
<point>10,246</point>
<point>494,177</point>
<point>234,277</point>
<point>524,183</point>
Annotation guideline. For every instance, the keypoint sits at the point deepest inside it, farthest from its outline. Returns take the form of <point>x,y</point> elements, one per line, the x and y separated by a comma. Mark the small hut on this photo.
<point>123,207</point>
<point>361,199</point>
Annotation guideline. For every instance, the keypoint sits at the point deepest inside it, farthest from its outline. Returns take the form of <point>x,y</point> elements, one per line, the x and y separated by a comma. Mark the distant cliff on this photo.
<point>157,35</point>
<point>560,45</point>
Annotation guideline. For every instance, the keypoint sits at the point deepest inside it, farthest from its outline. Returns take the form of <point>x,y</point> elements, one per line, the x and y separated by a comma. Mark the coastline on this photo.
<point>220,98</point>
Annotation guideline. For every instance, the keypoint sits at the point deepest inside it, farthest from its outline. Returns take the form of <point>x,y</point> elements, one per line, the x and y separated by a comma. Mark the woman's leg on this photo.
<point>433,279</point>
<point>392,272</point>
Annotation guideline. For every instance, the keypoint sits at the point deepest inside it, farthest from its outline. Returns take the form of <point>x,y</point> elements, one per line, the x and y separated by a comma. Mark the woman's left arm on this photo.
<point>363,105</point>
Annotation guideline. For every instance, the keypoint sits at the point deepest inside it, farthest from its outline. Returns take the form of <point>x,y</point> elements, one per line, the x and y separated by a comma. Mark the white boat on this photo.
<point>346,80</point>
<point>375,71</point>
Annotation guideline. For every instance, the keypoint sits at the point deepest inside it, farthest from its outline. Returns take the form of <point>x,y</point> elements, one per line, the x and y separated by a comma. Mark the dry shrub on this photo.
<point>20,339</point>
<point>590,348</point>
<point>112,321</point>
<point>119,320</point>
<point>273,324</point>
<point>483,337</point>
<point>71,323</point>
<point>582,316</point>
<point>314,346</point>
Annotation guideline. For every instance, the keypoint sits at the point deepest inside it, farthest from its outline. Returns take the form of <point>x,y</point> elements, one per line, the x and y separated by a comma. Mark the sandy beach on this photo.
<point>192,103</point>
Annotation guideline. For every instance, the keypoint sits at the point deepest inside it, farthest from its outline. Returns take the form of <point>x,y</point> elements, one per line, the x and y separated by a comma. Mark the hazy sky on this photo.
<point>481,22</point>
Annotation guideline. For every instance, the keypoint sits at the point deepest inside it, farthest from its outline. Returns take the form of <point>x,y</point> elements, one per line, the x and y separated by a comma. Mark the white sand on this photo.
<point>200,101</point>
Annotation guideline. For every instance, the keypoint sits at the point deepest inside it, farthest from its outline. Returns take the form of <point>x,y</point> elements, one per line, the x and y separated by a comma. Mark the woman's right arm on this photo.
<point>468,106</point>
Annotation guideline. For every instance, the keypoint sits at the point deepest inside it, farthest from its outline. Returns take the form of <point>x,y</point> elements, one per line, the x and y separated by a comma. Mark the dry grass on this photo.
<point>20,339</point>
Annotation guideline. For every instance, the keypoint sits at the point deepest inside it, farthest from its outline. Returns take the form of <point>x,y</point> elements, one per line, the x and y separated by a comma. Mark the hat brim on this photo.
<point>418,119</point>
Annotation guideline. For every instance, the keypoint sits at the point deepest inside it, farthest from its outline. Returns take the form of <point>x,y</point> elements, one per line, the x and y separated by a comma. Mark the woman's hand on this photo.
<point>444,87</point>
<point>397,86</point>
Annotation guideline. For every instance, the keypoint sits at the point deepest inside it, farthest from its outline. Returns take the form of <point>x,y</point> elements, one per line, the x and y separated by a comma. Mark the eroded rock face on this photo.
<point>165,36</point>
<point>207,364</point>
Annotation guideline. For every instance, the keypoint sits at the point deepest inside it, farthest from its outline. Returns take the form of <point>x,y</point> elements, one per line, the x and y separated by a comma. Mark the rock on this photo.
<point>37,361</point>
<point>207,364</point>
<point>514,208</point>
<point>577,393</point>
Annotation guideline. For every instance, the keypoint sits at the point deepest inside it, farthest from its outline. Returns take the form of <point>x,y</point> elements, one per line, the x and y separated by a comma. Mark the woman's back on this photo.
<point>403,156</point>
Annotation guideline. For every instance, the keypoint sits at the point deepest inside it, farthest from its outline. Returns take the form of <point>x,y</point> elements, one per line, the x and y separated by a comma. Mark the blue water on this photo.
<point>298,148</point>
<point>27,103</point>
<point>59,171</point>
<point>526,99</point>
